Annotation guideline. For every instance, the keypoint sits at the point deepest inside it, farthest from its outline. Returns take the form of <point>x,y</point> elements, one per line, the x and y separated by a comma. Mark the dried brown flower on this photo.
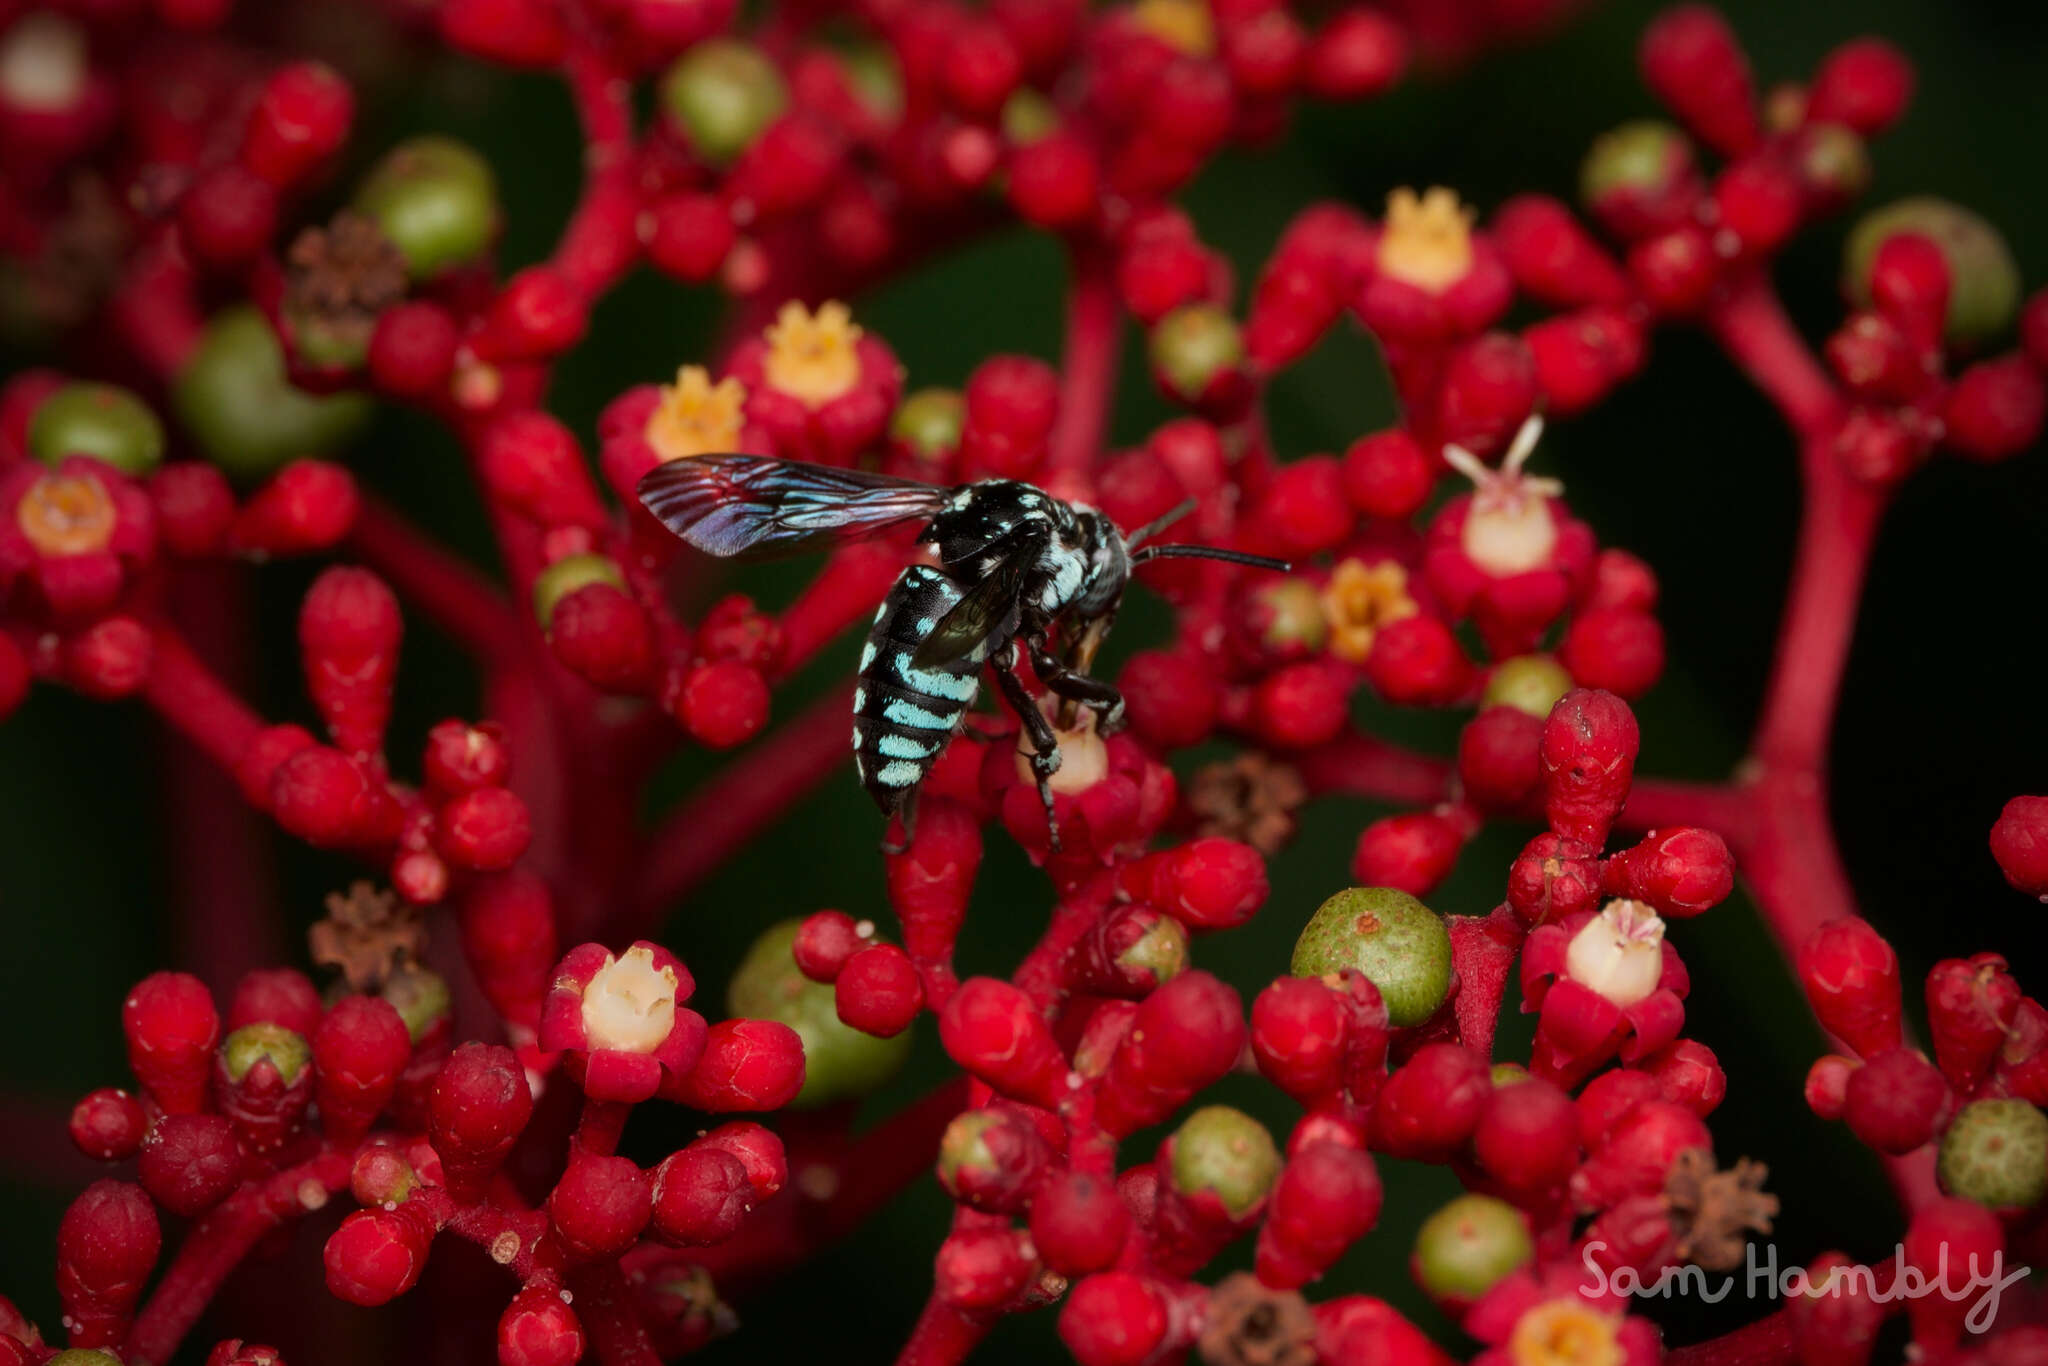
<point>1712,1211</point>
<point>1250,798</point>
<point>1251,1324</point>
<point>367,933</point>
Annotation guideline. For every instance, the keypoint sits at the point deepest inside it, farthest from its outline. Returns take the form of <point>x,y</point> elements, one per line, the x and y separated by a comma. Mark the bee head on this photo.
<point>1108,569</point>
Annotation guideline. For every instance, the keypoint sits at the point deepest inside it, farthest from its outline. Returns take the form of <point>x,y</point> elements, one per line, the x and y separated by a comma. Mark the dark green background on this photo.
<point>1942,718</point>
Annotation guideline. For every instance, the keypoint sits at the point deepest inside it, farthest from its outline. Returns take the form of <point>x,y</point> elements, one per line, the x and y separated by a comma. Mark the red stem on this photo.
<point>745,798</point>
<point>217,1244</point>
<point>1088,364</point>
<point>943,1335</point>
<point>186,694</point>
<point>1770,1340</point>
<point>606,1308</point>
<point>461,600</point>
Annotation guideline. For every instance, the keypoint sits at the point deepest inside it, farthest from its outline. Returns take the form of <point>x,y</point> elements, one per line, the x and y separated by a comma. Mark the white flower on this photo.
<point>1619,953</point>
<point>630,1005</point>
<point>1510,528</point>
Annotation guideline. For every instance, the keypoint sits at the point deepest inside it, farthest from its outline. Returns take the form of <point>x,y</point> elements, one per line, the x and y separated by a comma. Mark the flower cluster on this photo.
<point>232,309</point>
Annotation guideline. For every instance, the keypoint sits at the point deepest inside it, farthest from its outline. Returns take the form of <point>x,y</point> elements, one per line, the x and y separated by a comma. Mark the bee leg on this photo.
<point>1103,698</point>
<point>1045,746</point>
<point>909,817</point>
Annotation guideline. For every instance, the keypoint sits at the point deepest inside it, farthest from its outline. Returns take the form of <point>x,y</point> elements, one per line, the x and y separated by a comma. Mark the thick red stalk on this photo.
<point>459,599</point>
<point>186,694</point>
<point>1088,364</point>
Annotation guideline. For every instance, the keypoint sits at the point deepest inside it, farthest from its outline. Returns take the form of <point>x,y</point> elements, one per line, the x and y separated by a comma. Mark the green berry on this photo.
<point>1643,157</point>
<point>723,92</point>
<point>420,996</point>
<point>437,201</point>
<point>234,398</point>
<point>1508,1073</point>
<point>1984,282</point>
<point>1395,940</point>
<point>1226,1153</point>
<point>1192,345</point>
<point>1161,952</point>
<point>1468,1245</point>
<point>964,1146</point>
<point>1290,616</point>
<point>840,1062</point>
<point>104,421</point>
<point>1834,161</point>
<point>83,1356</point>
<point>930,422</point>
<point>251,1044</point>
<point>876,79</point>
<point>1995,1152</point>
<point>568,574</point>
<point>1530,683</point>
<point>1027,117</point>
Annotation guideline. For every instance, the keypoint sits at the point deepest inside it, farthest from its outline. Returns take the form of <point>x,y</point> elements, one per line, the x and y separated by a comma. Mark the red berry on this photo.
<point>723,704</point>
<point>301,118</point>
<point>1389,475</point>
<point>1078,1222</point>
<point>825,941</point>
<point>107,1244</point>
<point>1865,83</point>
<point>1851,978</point>
<point>600,1205</point>
<point>1527,1137</point>
<point>172,1029</point>
<point>412,350</point>
<point>1896,1101</point>
<point>878,991</point>
<point>701,1194</point>
<point>228,216</point>
<point>1115,1319</point>
<point>108,1125</point>
<point>538,1328</point>
<point>1413,852</point>
<point>190,1163</point>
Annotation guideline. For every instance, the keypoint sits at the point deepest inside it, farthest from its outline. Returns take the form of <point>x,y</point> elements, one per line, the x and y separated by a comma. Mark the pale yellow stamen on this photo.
<point>630,1005</point>
<point>1186,26</point>
<point>696,417</point>
<point>43,63</point>
<point>1359,600</point>
<point>811,356</point>
<point>1565,1333</point>
<point>1084,759</point>
<point>1510,528</point>
<point>64,514</point>
<point>1426,241</point>
<point>1619,953</point>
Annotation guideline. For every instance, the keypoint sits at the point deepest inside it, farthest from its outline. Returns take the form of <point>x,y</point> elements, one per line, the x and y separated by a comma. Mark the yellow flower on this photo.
<point>695,416</point>
<point>66,514</point>
<point>1565,1332</point>
<point>1359,600</point>
<point>1183,25</point>
<point>811,356</point>
<point>1426,241</point>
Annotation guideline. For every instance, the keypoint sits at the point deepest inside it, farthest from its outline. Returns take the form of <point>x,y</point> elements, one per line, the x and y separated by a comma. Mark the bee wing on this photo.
<point>988,609</point>
<point>744,505</point>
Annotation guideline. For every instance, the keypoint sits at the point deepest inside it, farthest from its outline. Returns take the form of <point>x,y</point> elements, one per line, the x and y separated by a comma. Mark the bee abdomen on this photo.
<point>904,714</point>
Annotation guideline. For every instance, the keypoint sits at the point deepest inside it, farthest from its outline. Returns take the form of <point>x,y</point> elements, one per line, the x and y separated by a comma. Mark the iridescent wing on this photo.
<point>750,507</point>
<point>989,608</point>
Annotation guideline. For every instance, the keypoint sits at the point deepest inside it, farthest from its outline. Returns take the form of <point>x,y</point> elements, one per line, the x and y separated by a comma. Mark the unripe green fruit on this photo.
<point>1530,683</point>
<point>930,421</point>
<point>103,421</point>
<point>723,92</point>
<point>568,574</point>
<point>437,201</point>
<point>840,1062</point>
<point>251,1044</point>
<point>1645,156</point>
<point>1995,1152</point>
<point>1194,344</point>
<point>1468,1245</point>
<point>1390,937</point>
<point>1226,1153</point>
<point>420,996</point>
<point>234,399</point>
<point>1984,282</point>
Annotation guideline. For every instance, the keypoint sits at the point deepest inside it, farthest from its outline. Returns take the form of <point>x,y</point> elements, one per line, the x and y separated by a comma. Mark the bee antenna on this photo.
<point>1159,523</point>
<point>1209,552</point>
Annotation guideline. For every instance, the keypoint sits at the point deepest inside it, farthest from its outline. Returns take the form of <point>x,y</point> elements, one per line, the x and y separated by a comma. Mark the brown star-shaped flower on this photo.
<point>1713,1211</point>
<point>1251,1324</point>
<point>1250,798</point>
<point>368,932</point>
<point>340,277</point>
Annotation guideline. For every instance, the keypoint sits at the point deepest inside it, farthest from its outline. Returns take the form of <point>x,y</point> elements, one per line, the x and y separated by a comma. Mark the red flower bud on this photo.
<point>1970,1010</point>
<point>1117,1318</point>
<point>600,1205</point>
<point>484,831</point>
<point>1358,53</point>
<point>604,636</point>
<point>1996,408</point>
<point>508,936</point>
<point>989,1158</point>
<point>349,631</point>
<point>1827,1085</point>
<point>1497,760</point>
<point>757,1148</point>
<point>1327,1198</point>
<point>538,1328</point>
<point>195,507</point>
<point>1851,978</point>
<point>1680,871</point>
<point>722,704</point>
<point>1185,1035</point>
<point>1417,662</point>
<point>1836,1323</point>
<point>1896,1101</point>
<point>1691,61</point>
<point>1527,1137</point>
<point>108,1125</point>
<point>309,505</point>
<point>1949,1242</point>
<point>2019,842</point>
<point>1588,757</point>
<point>478,1107</point>
<point>993,1029</point>
<point>377,1255</point>
<point>878,992</point>
<point>172,1029</point>
<point>412,350</point>
<point>984,1268</point>
<point>1865,84</point>
<point>190,1163</point>
<point>1432,1103</point>
<point>301,118</point>
<point>701,1194</point>
<point>106,1245</point>
<point>1389,475</point>
<point>1689,1074</point>
<point>359,1052</point>
<point>1078,1222</point>
<point>1413,852</point>
<point>746,1065</point>
<point>825,941</point>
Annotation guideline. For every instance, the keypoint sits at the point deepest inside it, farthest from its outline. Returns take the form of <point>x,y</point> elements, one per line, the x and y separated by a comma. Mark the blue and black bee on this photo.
<point>1014,565</point>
